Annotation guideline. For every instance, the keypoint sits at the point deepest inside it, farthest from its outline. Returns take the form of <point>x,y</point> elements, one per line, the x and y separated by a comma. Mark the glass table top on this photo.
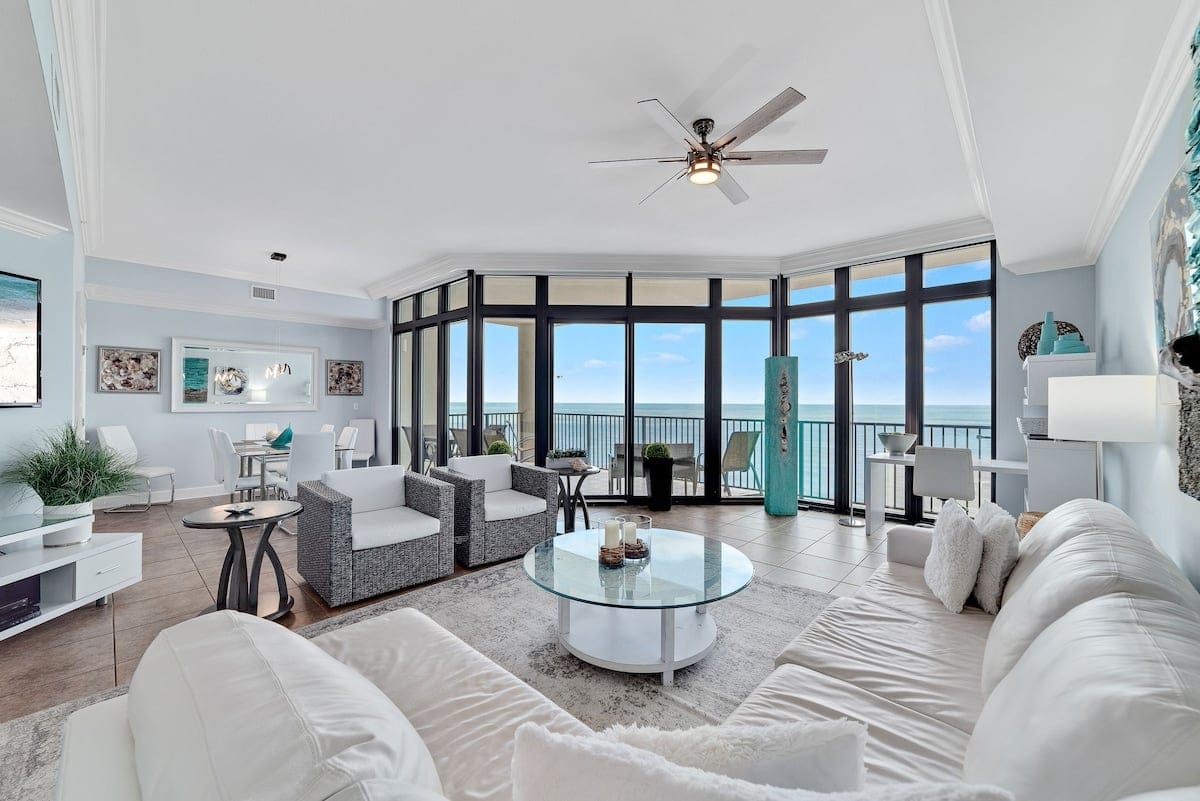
<point>683,570</point>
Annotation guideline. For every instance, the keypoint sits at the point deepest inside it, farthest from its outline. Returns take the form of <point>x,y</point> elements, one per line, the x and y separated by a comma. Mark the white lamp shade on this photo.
<point>1103,408</point>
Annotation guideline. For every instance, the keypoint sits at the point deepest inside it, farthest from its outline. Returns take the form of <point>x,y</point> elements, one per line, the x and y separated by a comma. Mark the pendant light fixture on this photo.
<point>280,367</point>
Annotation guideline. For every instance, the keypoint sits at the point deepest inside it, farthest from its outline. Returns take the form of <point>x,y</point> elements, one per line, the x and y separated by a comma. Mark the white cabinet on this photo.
<point>1040,369</point>
<point>1059,470</point>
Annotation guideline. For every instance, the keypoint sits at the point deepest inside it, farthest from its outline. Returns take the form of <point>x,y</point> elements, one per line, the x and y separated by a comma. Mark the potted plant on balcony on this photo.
<point>68,474</point>
<point>658,468</point>
<point>564,458</point>
<point>499,446</point>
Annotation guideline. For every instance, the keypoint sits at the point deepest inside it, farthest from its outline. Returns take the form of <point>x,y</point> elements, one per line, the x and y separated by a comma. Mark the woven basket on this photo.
<point>1032,425</point>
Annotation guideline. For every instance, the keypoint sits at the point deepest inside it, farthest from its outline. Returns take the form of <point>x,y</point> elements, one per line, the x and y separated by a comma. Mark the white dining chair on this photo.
<point>943,473</point>
<point>364,450</point>
<point>347,439</point>
<point>117,439</point>
<point>310,456</point>
<point>257,431</point>
<point>227,462</point>
<point>328,427</point>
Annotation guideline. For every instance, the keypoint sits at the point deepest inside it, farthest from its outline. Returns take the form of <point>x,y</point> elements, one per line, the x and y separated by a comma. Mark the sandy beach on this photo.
<point>18,362</point>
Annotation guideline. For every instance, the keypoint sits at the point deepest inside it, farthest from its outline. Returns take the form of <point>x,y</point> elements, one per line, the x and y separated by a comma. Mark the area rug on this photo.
<point>502,614</point>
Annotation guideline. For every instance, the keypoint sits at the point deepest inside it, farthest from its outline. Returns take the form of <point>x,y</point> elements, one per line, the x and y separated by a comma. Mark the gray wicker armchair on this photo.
<point>502,508</point>
<point>392,546</point>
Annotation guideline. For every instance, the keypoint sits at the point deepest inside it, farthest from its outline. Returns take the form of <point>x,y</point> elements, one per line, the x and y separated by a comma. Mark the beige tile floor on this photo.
<point>96,648</point>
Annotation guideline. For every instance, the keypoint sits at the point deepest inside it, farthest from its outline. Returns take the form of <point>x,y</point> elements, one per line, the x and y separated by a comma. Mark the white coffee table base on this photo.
<point>636,640</point>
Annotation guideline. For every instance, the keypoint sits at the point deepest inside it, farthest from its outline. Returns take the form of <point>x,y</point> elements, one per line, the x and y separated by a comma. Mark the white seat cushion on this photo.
<point>507,504</point>
<point>903,587</point>
<point>369,488</point>
<point>902,745</point>
<point>1103,704</point>
<point>154,471</point>
<point>495,470</point>
<point>916,662</point>
<point>390,526</point>
<point>97,761</point>
<point>465,707</point>
<point>228,706</point>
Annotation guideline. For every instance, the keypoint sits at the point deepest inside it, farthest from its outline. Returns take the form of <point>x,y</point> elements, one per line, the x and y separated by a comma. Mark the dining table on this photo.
<point>263,452</point>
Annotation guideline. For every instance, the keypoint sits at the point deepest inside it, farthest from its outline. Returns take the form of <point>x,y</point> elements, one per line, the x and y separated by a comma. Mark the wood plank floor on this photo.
<point>96,648</point>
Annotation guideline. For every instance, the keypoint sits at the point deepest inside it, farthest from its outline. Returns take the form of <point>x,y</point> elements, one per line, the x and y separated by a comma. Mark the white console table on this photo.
<point>873,489</point>
<point>72,575</point>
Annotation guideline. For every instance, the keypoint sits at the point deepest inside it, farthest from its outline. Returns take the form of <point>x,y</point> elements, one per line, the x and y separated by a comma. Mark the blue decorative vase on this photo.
<point>1070,343</point>
<point>1049,334</point>
<point>284,439</point>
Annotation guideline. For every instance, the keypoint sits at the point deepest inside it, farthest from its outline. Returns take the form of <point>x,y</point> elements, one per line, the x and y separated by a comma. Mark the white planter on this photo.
<point>72,535</point>
<point>558,464</point>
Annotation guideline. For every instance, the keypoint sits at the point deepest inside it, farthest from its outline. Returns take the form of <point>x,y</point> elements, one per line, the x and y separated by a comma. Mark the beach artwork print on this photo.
<point>133,370</point>
<point>343,377</point>
<point>20,324</point>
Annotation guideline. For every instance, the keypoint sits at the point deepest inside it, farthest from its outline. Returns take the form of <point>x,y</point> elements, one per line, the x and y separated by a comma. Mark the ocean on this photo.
<point>949,415</point>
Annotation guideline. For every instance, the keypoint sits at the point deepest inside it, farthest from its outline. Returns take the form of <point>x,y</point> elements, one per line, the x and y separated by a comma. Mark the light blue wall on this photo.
<point>1021,300</point>
<point>1143,479</point>
<point>180,439</point>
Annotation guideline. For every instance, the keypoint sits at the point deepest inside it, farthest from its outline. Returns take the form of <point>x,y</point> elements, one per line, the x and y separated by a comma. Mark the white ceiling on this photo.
<point>370,137</point>
<point>31,183</point>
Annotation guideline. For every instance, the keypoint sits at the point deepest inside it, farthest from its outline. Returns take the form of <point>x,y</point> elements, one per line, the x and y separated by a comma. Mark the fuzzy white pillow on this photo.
<point>564,766</point>
<point>1000,548</point>
<point>955,551</point>
<point>821,755</point>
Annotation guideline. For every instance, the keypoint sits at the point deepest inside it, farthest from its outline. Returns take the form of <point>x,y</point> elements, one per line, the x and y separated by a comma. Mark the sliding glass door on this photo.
<point>668,400</point>
<point>588,412</point>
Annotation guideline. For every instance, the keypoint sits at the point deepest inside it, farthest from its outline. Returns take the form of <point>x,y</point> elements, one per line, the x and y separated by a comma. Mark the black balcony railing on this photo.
<point>600,434</point>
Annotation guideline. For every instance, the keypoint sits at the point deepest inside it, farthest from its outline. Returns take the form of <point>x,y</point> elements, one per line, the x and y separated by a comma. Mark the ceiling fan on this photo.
<point>707,162</point>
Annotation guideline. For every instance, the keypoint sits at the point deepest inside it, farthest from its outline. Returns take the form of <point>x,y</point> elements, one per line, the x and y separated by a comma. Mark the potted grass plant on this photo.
<point>565,458</point>
<point>658,468</point>
<point>68,474</point>
<point>499,446</point>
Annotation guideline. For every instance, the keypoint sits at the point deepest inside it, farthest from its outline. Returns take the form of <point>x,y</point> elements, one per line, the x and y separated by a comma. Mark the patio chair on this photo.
<point>616,465</point>
<point>373,530</point>
<point>738,458</point>
<point>462,444</point>
<point>685,468</point>
<point>502,508</point>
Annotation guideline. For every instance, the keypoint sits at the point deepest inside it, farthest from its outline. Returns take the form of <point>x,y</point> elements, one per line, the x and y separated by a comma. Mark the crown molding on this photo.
<point>437,270</point>
<point>890,246</point>
<point>1169,79</point>
<point>80,35</point>
<point>945,45</point>
<point>1062,261</point>
<point>161,300</point>
<point>14,220</point>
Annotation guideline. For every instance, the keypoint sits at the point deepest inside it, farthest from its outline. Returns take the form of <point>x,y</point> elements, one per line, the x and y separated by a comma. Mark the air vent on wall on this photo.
<point>262,293</point>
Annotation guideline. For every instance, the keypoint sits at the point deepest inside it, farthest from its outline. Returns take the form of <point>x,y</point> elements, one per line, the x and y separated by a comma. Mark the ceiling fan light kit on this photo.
<point>704,161</point>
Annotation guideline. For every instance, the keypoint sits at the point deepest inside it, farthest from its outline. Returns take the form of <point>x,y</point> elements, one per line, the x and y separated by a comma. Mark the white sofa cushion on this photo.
<point>230,706</point>
<point>1105,703</point>
<point>495,470</point>
<point>508,504</point>
<point>954,555</point>
<point>97,761</point>
<point>390,526</point>
<point>902,745</point>
<point>809,755</point>
<point>918,662</point>
<point>1000,547</point>
<point>564,766</point>
<point>369,488</point>
<point>465,707</point>
<point>1091,564</point>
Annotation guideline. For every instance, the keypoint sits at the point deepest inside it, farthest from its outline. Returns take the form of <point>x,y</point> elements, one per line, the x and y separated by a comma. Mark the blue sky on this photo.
<point>589,358</point>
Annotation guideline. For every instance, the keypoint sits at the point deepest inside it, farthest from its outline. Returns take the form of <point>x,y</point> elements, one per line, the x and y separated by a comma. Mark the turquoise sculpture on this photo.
<point>1046,340</point>
<point>1070,343</point>
<point>781,444</point>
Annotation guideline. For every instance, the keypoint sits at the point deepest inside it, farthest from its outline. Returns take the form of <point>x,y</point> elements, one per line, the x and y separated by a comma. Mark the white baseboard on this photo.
<point>159,496</point>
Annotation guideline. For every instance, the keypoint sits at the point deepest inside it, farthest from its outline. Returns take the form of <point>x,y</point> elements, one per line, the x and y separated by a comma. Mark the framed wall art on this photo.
<point>128,370</point>
<point>20,340</point>
<point>343,377</point>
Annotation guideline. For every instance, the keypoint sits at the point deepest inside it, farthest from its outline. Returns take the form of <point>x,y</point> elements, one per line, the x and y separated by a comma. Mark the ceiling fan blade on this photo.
<point>731,188</point>
<point>775,108</point>
<point>752,157</point>
<point>630,162</point>
<point>674,177</point>
<point>669,122</point>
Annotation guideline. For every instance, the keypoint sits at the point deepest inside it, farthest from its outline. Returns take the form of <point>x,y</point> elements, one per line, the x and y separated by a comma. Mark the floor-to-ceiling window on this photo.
<point>589,399</point>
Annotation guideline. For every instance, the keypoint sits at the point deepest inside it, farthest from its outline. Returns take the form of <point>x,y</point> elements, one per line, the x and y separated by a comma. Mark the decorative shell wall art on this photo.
<point>127,370</point>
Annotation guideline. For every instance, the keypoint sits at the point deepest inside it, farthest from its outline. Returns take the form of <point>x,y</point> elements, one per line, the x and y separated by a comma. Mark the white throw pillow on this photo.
<point>818,755</point>
<point>988,510</point>
<point>955,550</point>
<point>230,706</point>
<point>564,766</point>
<point>495,470</point>
<point>369,488</point>
<point>1000,548</point>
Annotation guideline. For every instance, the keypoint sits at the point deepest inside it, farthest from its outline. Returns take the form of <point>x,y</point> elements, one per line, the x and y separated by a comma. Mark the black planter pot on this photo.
<point>658,473</point>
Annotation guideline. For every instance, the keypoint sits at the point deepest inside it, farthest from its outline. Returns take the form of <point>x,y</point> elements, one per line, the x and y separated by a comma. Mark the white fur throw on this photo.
<point>1001,544</point>
<point>821,755</point>
<point>563,766</point>
<point>954,554</point>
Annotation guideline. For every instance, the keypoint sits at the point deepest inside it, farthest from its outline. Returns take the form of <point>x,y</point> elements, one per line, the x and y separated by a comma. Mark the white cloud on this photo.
<point>930,369</point>
<point>944,341</point>
<point>979,322</point>
<point>679,334</point>
<point>596,364</point>
<point>670,336</point>
<point>659,357</point>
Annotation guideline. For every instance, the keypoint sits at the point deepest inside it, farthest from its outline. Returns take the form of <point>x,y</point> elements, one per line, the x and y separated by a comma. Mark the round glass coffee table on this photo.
<point>625,618</point>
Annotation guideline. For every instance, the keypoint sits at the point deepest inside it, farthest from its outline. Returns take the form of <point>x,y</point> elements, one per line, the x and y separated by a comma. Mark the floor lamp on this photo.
<point>849,357</point>
<point>1103,408</point>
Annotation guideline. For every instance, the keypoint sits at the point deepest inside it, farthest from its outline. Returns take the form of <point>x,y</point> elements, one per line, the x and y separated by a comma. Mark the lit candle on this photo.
<point>612,533</point>
<point>630,533</point>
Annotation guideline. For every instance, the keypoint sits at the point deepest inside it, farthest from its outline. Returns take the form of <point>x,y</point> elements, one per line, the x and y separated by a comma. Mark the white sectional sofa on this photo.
<point>1086,686</point>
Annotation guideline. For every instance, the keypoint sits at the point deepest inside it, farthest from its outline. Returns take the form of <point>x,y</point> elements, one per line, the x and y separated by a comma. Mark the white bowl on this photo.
<point>896,443</point>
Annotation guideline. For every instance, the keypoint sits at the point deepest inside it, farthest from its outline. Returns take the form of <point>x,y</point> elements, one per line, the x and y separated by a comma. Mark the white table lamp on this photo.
<point>1103,408</point>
